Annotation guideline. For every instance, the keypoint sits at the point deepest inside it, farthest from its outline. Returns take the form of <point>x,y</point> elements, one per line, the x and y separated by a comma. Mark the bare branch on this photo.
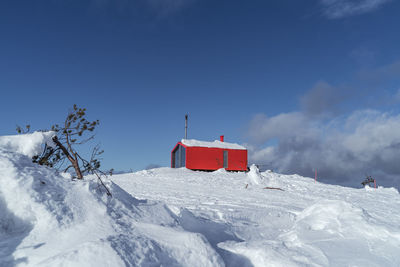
<point>68,168</point>
<point>101,181</point>
<point>74,131</point>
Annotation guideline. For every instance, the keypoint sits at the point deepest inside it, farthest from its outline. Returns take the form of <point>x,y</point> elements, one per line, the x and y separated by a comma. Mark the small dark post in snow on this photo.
<point>186,125</point>
<point>315,175</point>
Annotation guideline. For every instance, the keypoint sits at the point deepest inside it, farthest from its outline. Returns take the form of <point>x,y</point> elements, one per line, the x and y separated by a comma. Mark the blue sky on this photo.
<point>236,67</point>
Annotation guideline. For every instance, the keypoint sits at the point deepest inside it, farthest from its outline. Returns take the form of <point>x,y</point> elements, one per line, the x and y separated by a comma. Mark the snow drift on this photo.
<point>46,219</point>
<point>178,217</point>
<point>304,224</point>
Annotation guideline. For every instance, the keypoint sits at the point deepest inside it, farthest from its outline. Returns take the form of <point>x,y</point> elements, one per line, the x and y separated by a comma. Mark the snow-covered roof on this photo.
<point>215,144</point>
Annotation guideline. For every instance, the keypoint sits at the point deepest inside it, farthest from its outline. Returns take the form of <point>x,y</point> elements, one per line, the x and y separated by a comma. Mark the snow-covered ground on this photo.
<point>306,224</point>
<point>178,217</point>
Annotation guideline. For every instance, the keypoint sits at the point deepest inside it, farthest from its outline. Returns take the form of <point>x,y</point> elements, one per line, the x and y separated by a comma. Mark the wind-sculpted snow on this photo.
<point>178,217</point>
<point>47,219</point>
<point>343,234</point>
<point>26,144</point>
<point>268,219</point>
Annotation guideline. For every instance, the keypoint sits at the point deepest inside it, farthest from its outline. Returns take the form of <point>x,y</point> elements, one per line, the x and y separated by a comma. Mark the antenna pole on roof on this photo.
<point>186,125</point>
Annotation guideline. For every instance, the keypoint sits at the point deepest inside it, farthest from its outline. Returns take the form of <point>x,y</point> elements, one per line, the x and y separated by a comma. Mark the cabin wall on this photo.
<point>237,160</point>
<point>178,156</point>
<point>204,158</point>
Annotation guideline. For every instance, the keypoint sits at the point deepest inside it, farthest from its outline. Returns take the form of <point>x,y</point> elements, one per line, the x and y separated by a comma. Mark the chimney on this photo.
<point>221,138</point>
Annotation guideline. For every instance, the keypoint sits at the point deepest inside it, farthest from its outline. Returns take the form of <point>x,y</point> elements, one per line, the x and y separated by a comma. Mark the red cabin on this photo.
<point>200,155</point>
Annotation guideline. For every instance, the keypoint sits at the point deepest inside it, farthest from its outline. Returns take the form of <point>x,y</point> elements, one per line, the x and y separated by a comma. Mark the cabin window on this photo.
<point>225,159</point>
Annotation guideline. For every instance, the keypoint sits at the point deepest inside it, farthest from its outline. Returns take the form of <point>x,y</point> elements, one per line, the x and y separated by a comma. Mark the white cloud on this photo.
<point>343,149</point>
<point>335,9</point>
<point>263,128</point>
<point>344,146</point>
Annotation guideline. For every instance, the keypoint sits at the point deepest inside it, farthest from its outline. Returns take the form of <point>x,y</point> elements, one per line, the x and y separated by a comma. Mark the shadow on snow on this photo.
<point>215,233</point>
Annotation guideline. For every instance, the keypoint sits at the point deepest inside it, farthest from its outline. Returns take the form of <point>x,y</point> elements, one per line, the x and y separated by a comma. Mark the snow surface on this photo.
<point>178,217</point>
<point>215,144</point>
<point>47,219</point>
<point>307,224</point>
<point>26,144</point>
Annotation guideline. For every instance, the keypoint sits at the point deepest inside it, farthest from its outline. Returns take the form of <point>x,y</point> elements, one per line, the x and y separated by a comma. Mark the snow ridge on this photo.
<point>47,219</point>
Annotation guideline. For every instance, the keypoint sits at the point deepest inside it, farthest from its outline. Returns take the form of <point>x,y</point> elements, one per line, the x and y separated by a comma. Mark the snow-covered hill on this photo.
<point>177,217</point>
<point>48,220</point>
<point>306,224</point>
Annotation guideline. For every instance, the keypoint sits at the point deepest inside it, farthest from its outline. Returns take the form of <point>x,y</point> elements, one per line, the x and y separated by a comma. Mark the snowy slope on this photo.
<point>307,224</point>
<point>47,219</point>
<point>177,217</point>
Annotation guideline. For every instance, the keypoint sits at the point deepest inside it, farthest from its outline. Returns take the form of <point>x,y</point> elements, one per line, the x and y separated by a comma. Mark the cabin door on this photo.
<point>225,159</point>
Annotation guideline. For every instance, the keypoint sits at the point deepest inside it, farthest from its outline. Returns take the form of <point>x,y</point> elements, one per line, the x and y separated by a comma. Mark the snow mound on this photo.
<point>26,144</point>
<point>254,176</point>
<point>47,219</point>
<point>343,234</point>
<point>328,233</point>
<point>221,171</point>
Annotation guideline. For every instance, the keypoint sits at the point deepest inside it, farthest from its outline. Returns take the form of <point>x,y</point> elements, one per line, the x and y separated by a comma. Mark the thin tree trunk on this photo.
<point>74,161</point>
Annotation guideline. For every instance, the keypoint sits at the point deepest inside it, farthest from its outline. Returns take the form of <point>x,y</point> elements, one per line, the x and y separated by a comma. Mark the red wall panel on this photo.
<point>237,160</point>
<point>205,158</point>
